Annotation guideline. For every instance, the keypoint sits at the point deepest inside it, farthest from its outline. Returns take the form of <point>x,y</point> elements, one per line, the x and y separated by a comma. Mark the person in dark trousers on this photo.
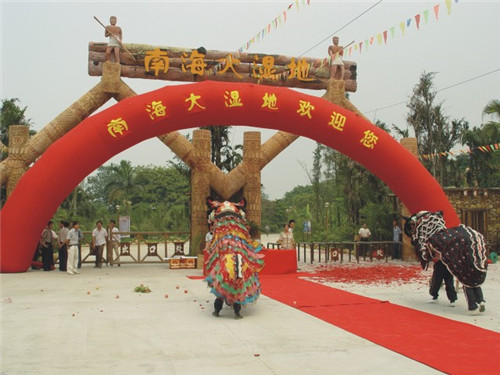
<point>46,244</point>
<point>441,273</point>
<point>219,302</point>
<point>80,236</point>
<point>475,299</point>
<point>63,248</point>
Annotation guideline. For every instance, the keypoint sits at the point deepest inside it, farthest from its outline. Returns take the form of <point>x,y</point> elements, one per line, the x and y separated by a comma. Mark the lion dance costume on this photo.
<point>461,249</point>
<point>233,262</point>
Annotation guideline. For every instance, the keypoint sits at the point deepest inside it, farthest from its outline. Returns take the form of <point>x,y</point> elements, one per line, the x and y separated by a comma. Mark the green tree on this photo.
<point>483,168</point>
<point>493,109</point>
<point>402,133</point>
<point>12,114</point>
<point>433,130</point>
<point>224,156</point>
<point>123,181</point>
<point>158,196</point>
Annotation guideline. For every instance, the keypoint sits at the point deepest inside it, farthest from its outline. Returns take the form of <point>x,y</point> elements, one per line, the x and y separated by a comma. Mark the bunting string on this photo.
<point>382,38</point>
<point>278,21</point>
<point>484,149</point>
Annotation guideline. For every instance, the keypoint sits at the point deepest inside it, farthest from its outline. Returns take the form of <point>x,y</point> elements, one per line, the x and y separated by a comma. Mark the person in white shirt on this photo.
<point>291,225</point>
<point>99,236</point>
<point>286,238</point>
<point>364,235</point>
<point>115,240</point>
<point>72,240</point>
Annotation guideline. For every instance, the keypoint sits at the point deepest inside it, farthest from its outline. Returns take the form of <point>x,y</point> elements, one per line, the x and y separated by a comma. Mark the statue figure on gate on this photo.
<point>114,33</point>
<point>336,53</point>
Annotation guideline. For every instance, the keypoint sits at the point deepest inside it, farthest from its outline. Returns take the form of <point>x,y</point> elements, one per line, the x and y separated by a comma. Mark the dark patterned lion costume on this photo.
<point>461,248</point>
<point>233,263</point>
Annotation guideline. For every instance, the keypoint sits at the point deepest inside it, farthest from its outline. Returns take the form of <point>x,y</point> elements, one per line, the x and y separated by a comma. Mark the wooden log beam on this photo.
<point>319,70</point>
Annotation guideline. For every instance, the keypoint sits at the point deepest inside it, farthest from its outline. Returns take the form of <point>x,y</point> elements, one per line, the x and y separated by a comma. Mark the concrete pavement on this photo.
<point>94,323</point>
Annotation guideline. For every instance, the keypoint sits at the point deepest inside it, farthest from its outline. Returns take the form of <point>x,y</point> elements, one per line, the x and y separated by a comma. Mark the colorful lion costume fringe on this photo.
<point>462,249</point>
<point>233,263</point>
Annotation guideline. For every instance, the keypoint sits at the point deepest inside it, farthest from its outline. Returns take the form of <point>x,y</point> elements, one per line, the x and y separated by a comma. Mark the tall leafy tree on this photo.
<point>433,130</point>
<point>401,133</point>
<point>224,156</point>
<point>493,109</point>
<point>12,114</point>
<point>483,168</point>
<point>123,181</point>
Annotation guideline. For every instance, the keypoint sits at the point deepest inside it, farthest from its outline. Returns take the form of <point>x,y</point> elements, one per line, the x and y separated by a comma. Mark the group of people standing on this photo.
<point>365,234</point>
<point>69,245</point>
<point>69,250</point>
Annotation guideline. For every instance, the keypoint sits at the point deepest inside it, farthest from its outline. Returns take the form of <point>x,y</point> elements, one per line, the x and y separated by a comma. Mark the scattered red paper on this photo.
<point>376,274</point>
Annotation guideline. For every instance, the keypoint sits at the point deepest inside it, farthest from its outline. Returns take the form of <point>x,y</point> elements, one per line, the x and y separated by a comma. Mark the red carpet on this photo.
<point>446,345</point>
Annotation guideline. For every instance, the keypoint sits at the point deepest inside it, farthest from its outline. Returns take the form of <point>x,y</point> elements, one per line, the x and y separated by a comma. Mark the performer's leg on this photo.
<point>478,293</point>
<point>237,308</point>
<point>451,293</point>
<point>470,297</point>
<point>436,281</point>
<point>218,303</point>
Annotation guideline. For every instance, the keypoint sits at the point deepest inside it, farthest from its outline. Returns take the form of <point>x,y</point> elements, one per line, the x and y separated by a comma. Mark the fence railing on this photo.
<point>138,247</point>
<point>337,251</point>
<point>154,247</point>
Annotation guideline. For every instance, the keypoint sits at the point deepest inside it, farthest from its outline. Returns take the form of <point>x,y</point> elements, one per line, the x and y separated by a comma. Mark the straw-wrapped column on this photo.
<point>252,188</point>
<point>200,187</point>
<point>19,135</point>
<point>408,253</point>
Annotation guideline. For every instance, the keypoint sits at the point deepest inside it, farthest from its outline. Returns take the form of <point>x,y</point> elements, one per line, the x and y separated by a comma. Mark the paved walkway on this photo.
<point>94,323</point>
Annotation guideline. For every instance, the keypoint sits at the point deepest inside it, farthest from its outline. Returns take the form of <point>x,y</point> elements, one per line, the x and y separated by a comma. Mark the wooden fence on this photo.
<point>138,247</point>
<point>339,251</point>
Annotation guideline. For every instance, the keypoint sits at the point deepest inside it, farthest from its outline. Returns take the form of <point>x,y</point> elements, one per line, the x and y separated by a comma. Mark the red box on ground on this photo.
<point>278,262</point>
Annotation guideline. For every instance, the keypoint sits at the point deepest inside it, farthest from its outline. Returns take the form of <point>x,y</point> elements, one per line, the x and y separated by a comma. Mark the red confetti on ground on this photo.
<point>370,274</point>
<point>256,355</point>
<point>185,291</point>
<point>166,295</point>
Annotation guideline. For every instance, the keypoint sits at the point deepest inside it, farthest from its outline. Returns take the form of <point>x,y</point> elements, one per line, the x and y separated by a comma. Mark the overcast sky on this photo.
<point>44,54</point>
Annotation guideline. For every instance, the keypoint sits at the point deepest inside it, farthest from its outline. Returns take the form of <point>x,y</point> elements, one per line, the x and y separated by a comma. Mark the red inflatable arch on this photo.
<point>99,137</point>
